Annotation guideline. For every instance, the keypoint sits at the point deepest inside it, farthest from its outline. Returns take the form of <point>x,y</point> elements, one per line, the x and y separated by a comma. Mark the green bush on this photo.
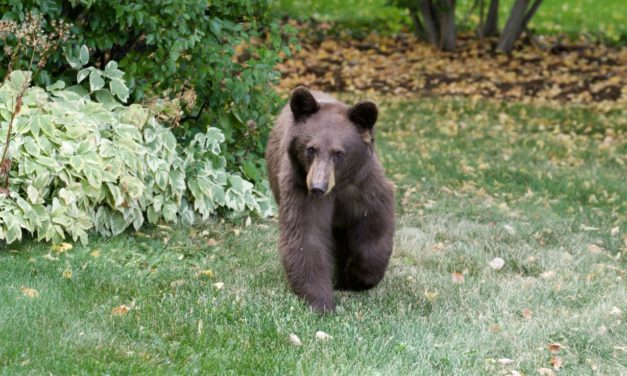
<point>81,161</point>
<point>214,57</point>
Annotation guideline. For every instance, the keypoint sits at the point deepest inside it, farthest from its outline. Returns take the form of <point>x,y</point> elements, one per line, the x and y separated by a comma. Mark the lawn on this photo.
<point>608,21</point>
<point>543,188</point>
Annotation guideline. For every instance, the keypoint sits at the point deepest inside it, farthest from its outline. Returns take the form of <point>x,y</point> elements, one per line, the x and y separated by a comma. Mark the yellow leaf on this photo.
<point>207,273</point>
<point>67,273</point>
<point>431,295</point>
<point>31,293</point>
<point>457,277</point>
<point>120,310</point>
<point>61,248</point>
<point>95,253</point>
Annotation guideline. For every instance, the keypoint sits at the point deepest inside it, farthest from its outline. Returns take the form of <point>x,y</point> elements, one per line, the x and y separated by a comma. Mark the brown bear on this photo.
<point>336,208</point>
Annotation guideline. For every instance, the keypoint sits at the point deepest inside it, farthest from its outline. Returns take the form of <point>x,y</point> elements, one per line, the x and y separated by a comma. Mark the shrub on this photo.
<point>215,57</point>
<point>81,161</point>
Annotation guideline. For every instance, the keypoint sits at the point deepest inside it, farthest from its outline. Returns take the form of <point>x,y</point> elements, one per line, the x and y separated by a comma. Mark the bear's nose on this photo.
<point>318,189</point>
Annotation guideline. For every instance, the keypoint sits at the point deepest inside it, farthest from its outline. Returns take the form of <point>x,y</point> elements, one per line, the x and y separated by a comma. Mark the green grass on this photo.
<point>606,19</point>
<point>476,180</point>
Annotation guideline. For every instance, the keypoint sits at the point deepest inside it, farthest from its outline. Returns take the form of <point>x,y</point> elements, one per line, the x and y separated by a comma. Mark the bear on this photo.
<point>336,207</point>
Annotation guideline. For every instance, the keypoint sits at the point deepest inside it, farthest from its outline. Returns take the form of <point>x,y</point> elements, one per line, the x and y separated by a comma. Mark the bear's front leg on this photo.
<point>366,250</point>
<point>305,247</point>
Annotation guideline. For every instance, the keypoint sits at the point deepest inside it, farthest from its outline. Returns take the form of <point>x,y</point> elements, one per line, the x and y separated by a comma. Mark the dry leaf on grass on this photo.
<point>437,247</point>
<point>457,277</point>
<point>322,336</point>
<point>510,230</point>
<point>497,263</point>
<point>61,248</point>
<point>206,273</point>
<point>526,313</point>
<point>556,362</point>
<point>593,248</point>
<point>546,372</point>
<point>218,285</point>
<point>431,295</point>
<point>554,347</point>
<point>31,293</point>
<point>120,310</point>
<point>504,361</point>
<point>294,340</point>
<point>67,273</point>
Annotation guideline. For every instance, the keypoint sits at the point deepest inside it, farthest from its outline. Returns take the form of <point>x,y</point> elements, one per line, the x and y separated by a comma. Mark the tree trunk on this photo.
<point>446,18</point>
<point>513,27</point>
<point>531,13</point>
<point>418,28</point>
<point>428,16</point>
<point>491,26</point>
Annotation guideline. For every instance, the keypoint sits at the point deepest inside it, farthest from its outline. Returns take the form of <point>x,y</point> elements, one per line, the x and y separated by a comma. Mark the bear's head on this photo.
<point>331,143</point>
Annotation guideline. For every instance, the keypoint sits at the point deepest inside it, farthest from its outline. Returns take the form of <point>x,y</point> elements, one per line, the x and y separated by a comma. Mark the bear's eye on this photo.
<point>310,152</point>
<point>338,156</point>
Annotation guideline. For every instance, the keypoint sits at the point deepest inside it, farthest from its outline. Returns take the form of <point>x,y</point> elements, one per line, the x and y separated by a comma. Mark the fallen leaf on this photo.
<point>177,283</point>
<point>67,273</point>
<point>546,372</point>
<point>31,293</point>
<point>614,231</point>
<point>431,295</point>
<point>50,257</point>
<point>526,313</point>
<point>504,361</point>
<point>95,253</point>
<point>294,340</point>
<point>248,222</point>
<point>206,273</point>
<point>615,311</point>
<point>437,247</point>
<point>510,230</point>
<point>549,274</point>
<point>554,348</point>
<point>457,277</point>
<point>556,362</point>
<point>602,330</point>
<point>322,336</point>
<point>212,242</point>
<point>593,248</point>
<point>120,310</point>
<point>218,285</point>
<point>61,248</point>
<point>236,231</point>
<point>497,263</point>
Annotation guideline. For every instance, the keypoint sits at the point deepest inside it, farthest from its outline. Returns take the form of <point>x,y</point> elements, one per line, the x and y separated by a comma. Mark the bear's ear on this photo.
<point>364,115</point>
<point>303,104</point>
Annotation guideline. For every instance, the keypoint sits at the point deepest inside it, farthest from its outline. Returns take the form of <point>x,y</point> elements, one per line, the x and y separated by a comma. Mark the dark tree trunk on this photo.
<point>427,11</point>
<point>491,26</point>
<point>418,28</point>
<point>531,13</point>
<point>513,27</point>
<point>446,18</point>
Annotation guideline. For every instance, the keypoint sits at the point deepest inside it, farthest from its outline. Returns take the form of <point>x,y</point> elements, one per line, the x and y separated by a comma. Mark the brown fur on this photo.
<point>336,208</point>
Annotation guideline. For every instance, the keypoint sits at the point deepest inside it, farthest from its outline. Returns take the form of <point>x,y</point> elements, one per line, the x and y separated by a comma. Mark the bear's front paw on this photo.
<point>322,305</point>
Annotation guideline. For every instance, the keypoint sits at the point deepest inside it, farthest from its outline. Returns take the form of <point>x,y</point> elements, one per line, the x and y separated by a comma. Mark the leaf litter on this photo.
<point>553,70</point>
